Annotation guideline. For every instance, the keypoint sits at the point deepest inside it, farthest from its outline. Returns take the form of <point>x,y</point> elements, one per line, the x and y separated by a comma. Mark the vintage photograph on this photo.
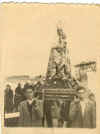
<point>49,65</point>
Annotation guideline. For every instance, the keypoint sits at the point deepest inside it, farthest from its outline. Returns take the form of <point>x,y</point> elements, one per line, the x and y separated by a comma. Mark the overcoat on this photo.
<point>28,119</point>
<point>77,120</point>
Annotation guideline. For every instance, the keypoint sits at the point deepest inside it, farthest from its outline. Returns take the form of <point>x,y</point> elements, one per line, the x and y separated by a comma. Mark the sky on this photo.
<point>29,32</point>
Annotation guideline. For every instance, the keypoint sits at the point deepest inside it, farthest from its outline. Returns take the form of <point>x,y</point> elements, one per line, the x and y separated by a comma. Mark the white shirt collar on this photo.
<point>30,101</point>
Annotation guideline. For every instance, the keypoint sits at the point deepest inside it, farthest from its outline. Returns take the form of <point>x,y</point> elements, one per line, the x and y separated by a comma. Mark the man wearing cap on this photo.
<point>82,111</point>
<point>30,113</point>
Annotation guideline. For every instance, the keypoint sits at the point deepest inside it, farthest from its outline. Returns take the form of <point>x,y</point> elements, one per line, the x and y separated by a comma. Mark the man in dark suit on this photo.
<point>19,96</point>
<point>82,112</point>
<point>8,104</point>
<point>8,99</point>
<point>30,113</point>
<point>64,113</point>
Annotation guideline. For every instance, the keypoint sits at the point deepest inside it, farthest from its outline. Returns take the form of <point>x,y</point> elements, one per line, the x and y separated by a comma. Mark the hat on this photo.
<point>91,94</point>
<point>8,85</point>
<point>28,87</point>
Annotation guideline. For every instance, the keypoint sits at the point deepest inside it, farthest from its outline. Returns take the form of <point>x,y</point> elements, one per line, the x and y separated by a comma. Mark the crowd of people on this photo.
<point>78,113</point>
<point>14,97</point>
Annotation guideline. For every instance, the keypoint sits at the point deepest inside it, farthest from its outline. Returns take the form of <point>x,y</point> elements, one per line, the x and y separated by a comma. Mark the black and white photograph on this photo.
<point>49,65</point>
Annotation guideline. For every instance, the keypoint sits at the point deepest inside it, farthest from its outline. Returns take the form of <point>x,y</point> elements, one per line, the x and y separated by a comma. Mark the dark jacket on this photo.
<point>29,117</point>
<point>80,121</point>
<point>19,97</point>
<point>8,101</point>
<point>65,111</point>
